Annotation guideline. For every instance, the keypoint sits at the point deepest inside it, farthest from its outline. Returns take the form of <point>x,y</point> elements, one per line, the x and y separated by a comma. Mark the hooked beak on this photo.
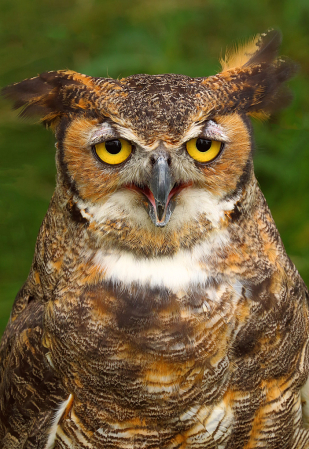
<point>160,210</point>
<point>160,192</point>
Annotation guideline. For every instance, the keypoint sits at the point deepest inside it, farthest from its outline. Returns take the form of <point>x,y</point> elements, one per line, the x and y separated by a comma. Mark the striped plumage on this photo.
<point>137,331</point>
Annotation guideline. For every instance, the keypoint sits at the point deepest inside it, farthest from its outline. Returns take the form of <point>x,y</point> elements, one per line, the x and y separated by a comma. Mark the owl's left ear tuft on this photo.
<point>262,48</point>
<point>50,95</point>
<point>258,75</point>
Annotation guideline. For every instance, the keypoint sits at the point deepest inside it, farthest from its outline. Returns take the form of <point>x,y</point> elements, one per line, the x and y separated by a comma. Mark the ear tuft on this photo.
<point>258,74</point>
<point>263,48</point>
<point>49,95</point>
<point>239,55</point>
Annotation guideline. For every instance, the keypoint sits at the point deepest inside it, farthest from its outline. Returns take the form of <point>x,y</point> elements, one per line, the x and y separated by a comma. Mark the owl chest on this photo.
<point>146,364</point>
<point>144,346</point>
<point>143,358</point>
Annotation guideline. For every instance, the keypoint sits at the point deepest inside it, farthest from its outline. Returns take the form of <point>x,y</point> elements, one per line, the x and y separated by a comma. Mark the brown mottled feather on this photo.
<point>127,335</point>
<point>30,389</point>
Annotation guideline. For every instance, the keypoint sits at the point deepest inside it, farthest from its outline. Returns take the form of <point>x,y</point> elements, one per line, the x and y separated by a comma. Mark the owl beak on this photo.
<point>160,185</point>
<point>160,192</point>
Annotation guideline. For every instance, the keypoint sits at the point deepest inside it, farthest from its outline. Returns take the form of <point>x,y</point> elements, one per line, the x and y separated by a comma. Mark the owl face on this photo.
<point>163,184</point>
<point>162,158</point>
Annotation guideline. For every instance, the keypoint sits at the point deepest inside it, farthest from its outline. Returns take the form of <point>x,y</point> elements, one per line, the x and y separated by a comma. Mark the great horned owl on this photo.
<point>161,310</point>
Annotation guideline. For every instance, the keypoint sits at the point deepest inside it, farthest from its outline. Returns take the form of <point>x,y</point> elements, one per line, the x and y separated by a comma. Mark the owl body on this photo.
<point>161,310</point>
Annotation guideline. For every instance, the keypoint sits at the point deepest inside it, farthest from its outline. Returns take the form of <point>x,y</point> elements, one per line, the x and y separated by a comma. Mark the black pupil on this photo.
<point>203,145</point>
<point>113,146</point>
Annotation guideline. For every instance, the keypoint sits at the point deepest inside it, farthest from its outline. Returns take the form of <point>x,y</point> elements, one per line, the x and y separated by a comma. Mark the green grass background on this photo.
<point>118,38</point>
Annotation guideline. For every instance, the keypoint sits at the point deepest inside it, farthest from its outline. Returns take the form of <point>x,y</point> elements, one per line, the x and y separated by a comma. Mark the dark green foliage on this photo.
<point>118,38</point>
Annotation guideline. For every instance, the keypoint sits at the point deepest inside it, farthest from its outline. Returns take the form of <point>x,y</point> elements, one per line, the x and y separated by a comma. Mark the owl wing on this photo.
<point>29,389</point>
<point>305,404</point>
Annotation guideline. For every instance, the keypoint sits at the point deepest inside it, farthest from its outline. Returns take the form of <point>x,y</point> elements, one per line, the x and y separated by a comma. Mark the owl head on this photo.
<point>164,158</point>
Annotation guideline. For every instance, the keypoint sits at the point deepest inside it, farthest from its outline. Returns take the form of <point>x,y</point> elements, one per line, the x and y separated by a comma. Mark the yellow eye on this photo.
<point>113,151</point>
<point>203,150</point>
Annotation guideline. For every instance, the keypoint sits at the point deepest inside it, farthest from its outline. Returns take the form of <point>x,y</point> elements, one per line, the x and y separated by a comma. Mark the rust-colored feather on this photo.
<point>191,334</point>
<point>262,73</point>
<point>50,95</point>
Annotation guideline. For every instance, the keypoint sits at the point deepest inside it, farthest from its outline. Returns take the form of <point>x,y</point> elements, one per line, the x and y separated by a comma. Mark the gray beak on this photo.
<point>161,184</point>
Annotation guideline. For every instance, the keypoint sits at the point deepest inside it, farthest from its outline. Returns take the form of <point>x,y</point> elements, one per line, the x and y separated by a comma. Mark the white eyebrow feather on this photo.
<point>209,130</point>
<point>214,131</point>
<point>103,132</point>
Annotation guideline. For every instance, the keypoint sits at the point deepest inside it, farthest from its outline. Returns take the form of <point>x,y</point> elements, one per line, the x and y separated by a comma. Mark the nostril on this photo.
<point>153,159</point>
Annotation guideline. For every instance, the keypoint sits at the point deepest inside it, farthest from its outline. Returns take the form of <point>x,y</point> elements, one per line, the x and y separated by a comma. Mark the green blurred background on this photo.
<point>117,38</point>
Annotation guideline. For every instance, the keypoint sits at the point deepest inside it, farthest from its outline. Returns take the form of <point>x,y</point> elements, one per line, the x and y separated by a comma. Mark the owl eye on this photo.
<point>113,152</point>
<point>203,150</point>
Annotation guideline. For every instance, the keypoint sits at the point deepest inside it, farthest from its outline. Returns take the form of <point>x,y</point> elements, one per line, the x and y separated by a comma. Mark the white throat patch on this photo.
<point>183,269</point>
<point>191,204</point>
<point>187,268</point>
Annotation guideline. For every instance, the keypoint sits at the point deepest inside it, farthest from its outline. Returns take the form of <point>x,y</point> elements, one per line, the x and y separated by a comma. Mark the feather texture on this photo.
<point>190,333</point>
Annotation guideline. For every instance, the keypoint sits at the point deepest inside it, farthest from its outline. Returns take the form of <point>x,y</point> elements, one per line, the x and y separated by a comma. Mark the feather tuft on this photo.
<point>263,48</point>
<point>259,75</point>
<point>49,95</point>
<point>239,55</point>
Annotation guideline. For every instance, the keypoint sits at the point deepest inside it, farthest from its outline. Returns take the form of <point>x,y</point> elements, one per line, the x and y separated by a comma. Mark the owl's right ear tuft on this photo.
<point>50,95</point>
